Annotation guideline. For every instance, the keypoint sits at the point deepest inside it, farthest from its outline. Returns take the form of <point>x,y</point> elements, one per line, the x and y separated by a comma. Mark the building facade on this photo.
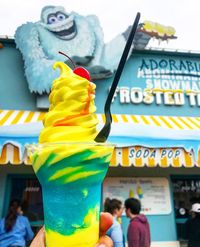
<point>155,127</point>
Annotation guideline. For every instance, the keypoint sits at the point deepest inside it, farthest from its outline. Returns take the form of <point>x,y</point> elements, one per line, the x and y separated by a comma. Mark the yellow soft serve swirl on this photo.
<point>71,115</point>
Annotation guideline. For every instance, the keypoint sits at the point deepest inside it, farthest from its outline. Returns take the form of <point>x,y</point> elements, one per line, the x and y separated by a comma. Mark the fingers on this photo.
<point>39,240</point>
<point>104,241</point>
<point>106,221</point>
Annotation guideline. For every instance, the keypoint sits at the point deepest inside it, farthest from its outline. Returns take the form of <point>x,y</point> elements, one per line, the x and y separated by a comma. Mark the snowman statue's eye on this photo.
<point>52,19</point>
<point>61,16</point>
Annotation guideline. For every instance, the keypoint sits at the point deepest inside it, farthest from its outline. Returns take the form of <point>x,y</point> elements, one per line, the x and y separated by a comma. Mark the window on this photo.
<point>28,191</point>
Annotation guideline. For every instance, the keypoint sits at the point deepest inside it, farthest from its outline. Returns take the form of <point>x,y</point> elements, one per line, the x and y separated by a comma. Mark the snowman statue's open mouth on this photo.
<point>66,34</point>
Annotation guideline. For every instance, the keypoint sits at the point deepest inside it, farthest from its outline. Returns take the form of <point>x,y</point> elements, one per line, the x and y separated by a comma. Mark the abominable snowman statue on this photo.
<point>81,38</point>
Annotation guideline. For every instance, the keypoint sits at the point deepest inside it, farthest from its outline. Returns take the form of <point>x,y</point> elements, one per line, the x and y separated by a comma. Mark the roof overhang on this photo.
<point>140,140</point>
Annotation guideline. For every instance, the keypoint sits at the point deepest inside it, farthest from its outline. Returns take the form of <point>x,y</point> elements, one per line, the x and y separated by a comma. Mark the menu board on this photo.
<point>153,193</point>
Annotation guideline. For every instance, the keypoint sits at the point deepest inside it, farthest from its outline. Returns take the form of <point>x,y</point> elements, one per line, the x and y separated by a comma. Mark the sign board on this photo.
<point>153,193</point>
<point>157,83</point>
<point>165,81</point>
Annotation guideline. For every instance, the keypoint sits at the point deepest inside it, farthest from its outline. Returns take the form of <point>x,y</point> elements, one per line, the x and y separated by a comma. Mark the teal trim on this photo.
<point>181,221</point>
<point>174,53</point>
<point>6,200</point>
<point>173,207</point>
<point>163,227</point>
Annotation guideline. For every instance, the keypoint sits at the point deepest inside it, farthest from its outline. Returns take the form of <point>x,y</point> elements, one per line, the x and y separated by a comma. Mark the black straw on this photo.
<point>123,60</point>
<point>104,133</point>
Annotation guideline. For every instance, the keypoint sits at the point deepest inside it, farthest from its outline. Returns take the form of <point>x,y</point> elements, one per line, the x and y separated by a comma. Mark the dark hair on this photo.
<point>111,204</point>
<point>134,205</point>
<point>11,216</point>
<point>197,215</point>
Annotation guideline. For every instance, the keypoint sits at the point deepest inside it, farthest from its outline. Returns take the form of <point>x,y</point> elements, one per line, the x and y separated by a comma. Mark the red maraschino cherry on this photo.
<point>78,70</point>
<point>82,72</point>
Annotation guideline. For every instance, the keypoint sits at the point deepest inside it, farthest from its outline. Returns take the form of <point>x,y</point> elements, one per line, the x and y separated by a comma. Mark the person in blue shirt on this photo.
<point>15,228</point>
<point>115,207</point>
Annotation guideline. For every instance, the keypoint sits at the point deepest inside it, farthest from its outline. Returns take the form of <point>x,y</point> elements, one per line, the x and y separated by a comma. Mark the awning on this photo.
<point>129,155</point>
<point>11,154</point>
<point>138,156</point>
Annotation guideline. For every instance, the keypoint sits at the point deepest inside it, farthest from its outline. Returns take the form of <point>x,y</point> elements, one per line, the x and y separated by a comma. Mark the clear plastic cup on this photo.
<point>71,175</point>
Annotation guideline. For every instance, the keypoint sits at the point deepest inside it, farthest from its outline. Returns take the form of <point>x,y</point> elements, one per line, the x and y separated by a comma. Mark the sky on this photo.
<point>115,16</point>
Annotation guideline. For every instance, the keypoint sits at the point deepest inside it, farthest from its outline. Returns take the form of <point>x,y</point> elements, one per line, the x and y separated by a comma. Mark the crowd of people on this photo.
<point>15,229</point>
<point>138,234</point>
